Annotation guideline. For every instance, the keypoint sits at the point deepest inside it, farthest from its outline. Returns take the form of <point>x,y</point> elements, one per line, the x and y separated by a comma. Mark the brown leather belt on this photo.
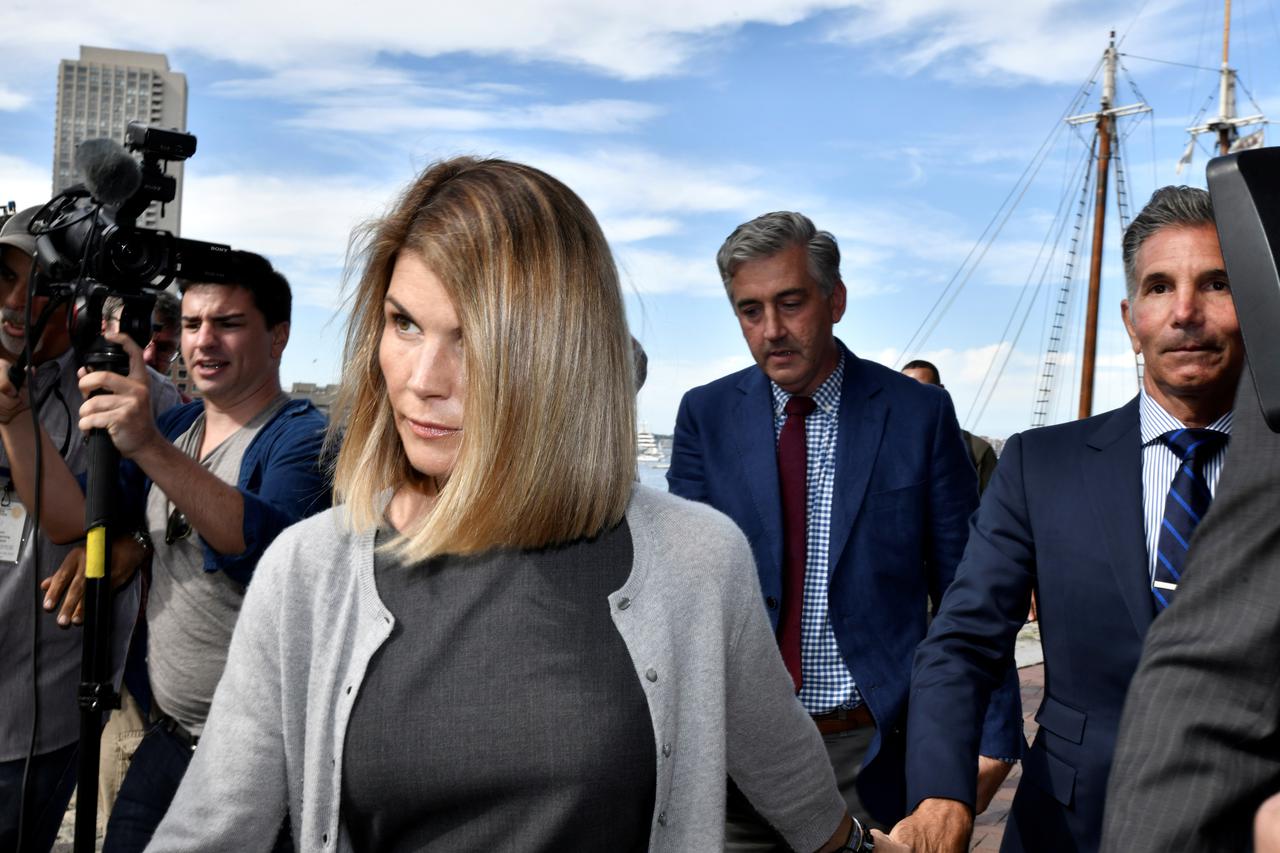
<point>843,720</point>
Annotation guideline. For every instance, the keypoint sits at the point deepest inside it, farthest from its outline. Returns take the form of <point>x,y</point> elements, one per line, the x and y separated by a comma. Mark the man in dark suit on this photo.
<point>853,527</point>
<point>1199,745</point>
<point>981,453</point>
<point>1094,517</point>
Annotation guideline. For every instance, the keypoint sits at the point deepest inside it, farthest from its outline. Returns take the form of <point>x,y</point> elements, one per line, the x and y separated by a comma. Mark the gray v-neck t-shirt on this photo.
<point>190,612</point>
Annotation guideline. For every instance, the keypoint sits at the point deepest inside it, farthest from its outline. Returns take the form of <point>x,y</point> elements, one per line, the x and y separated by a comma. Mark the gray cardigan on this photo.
<point>690,615</point>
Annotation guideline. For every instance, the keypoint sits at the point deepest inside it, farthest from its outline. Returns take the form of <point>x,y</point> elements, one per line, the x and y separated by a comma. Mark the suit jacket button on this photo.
<point>771,603</point>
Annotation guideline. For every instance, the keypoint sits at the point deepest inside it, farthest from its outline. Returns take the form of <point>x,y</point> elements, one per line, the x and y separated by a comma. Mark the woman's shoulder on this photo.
<point>677,515</point>
<point>700,532</point>
<point>323,542</point>
<point>311,570</point>
<point>329,528</point>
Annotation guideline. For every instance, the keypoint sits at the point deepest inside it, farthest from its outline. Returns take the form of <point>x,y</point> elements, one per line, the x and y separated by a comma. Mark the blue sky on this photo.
<point>901,127</point>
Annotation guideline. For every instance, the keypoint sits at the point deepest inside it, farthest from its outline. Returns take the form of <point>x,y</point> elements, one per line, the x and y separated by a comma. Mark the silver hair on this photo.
<point>167,313</point>
<point>1170,207</point>
<point>772,233</point>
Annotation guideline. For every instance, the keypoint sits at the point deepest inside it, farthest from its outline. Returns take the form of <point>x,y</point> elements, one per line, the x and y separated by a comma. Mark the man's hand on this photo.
<point>67,583</point>
<point>991,775</point>
<point>13,402</point>
<point>125,410</point>
<point>887,843</point>
<point>1266,827</point>
<point>936,826</point>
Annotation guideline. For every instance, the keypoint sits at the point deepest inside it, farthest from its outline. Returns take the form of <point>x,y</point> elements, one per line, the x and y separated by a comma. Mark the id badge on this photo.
<point>13,520</point>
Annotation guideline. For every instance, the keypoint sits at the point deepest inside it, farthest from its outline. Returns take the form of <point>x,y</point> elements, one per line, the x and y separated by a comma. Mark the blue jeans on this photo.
<point>148,787</point>
<point>147,790</point>
<point>49,786</point>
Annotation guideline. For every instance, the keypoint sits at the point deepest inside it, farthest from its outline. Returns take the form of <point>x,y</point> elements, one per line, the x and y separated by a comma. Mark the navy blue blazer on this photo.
<point>1062,516</point>
<point>905,488</point>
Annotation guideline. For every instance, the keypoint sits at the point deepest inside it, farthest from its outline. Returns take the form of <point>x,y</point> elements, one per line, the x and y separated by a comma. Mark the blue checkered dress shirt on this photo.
<point>825,681</point>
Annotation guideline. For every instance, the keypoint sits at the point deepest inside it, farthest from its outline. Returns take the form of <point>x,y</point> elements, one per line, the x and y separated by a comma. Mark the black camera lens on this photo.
<point>135,258</point>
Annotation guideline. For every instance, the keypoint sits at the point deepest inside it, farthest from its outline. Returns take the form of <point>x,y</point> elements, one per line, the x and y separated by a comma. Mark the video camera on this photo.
<point>89,247</point>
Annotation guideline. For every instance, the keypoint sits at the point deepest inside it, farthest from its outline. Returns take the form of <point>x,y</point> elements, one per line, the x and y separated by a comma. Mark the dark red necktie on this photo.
<point>793,465</point>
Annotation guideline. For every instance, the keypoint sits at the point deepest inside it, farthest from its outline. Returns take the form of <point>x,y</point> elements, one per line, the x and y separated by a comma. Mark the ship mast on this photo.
<point>1105,118</point>
<point>1226,125</point>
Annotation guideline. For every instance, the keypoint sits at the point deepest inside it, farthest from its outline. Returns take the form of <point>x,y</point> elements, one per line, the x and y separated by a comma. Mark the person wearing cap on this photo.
<point>41,648</point>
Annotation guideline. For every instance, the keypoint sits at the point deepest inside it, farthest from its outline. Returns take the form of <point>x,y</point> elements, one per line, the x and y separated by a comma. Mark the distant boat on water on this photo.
<point>647,449</point>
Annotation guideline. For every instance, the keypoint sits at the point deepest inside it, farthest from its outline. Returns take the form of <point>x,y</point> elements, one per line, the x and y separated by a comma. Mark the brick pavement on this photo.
<point>988,828</point>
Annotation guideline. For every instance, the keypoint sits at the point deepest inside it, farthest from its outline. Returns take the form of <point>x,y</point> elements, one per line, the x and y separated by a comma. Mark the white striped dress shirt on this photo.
<point>1160,465</point>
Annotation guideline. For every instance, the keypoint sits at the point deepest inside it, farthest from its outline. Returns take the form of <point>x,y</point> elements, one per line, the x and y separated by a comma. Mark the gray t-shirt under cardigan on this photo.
<point>503,713</point>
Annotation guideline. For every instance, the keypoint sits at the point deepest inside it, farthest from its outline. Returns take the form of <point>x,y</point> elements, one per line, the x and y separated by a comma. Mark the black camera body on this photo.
<point>89,247</point>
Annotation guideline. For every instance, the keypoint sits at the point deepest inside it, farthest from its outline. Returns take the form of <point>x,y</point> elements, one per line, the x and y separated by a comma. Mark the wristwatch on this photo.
<point>144,542</point>
<point>859,840</point>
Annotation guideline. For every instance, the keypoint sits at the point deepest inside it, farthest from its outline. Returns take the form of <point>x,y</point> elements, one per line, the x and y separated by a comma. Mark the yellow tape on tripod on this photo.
<point>95,553</point>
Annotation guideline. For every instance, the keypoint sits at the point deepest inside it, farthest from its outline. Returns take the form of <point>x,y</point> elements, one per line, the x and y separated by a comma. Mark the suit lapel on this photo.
<point>757,448</point>
<point>862,417</point>
<point>1112,472</point>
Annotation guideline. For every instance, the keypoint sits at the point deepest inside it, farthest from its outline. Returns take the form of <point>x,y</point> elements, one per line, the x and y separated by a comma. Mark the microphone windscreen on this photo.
<point>109,171</point>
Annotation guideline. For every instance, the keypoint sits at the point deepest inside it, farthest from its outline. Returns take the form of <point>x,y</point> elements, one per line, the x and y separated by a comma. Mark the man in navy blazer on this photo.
<point>889,492</point>
<point>1078,513</point>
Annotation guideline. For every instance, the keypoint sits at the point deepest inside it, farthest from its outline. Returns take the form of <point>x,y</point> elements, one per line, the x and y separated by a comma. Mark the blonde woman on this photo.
<point>498,641</point>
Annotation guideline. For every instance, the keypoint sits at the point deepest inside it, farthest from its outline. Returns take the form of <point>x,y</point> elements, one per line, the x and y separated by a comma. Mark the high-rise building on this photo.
<point>99,94</point>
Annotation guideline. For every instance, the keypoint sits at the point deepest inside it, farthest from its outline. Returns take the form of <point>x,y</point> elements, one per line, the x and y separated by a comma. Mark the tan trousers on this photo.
<point>120,738</point>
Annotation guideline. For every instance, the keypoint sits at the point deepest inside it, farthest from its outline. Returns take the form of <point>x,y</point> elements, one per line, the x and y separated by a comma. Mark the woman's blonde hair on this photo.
<point>548,443</point>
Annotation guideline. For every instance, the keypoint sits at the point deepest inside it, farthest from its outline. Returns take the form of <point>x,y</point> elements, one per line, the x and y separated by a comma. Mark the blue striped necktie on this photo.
<point>1188,501</point>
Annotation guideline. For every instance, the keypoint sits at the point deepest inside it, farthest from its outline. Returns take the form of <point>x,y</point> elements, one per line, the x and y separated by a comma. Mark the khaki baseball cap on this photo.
<point>15,231</point>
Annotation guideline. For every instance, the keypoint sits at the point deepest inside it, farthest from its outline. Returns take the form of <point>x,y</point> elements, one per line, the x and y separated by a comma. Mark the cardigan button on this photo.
<point>771,603</point>
<point>651,674</point>
<point>666,750</point>
<point>662,818</point>
<point>624,603</point>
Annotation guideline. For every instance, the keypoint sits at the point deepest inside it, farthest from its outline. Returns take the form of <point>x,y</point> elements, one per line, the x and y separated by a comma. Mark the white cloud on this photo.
<point>631,229</point>
<point>301,82</point>
<point>23,182</point>
<point>668,380</point>
<point>654,272</point>
<point>304,221</point>
<point>617,179</point>
<point>366,98</point>
<point>1008,407</point>
<point>620,39</point>
<point>397,114</point>
<point>301,222</point>
<point>11,100</point>
<point>1001,43</point>
<point>287,215</point>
